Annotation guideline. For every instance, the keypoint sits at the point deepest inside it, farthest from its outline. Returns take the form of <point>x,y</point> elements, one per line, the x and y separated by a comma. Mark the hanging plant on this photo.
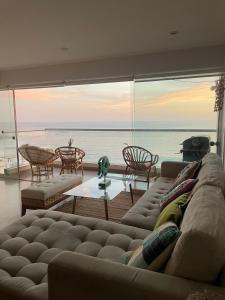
<point>219,90</point>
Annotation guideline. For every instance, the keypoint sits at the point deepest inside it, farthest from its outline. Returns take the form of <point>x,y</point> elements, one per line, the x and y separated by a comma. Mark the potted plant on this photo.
<point>70,142</point>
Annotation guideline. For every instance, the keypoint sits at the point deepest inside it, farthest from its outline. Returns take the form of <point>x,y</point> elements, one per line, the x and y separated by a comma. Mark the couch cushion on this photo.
<point>190,171</point>
<point>28,245</point>
<point>145,212</point>
<point>173,211</point>
<point>156,248</point>
<point>184,187</point>
<point>211,172</point>
<point>199,252</point>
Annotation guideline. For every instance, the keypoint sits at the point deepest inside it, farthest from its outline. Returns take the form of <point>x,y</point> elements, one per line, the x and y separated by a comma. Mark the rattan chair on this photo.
<point>40,159</point>
<point>140,161</point>
<point>71,158</point>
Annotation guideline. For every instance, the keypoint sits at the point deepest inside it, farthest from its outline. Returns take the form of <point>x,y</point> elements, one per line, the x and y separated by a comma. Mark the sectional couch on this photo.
<point>53,255</point>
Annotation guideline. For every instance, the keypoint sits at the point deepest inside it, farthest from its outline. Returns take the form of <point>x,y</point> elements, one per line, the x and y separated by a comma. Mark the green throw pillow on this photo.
<point>156,248</point>
<point>172,212</point>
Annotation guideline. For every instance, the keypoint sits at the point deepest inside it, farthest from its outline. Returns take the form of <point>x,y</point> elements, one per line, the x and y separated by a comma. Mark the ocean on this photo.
<point>104,141</point>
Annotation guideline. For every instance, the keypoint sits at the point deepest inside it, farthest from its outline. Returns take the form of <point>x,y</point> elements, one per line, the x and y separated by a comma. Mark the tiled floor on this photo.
<point>9,201</point>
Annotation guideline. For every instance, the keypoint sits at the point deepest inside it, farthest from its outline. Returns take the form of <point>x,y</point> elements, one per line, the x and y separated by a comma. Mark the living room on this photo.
<point>53,254</point>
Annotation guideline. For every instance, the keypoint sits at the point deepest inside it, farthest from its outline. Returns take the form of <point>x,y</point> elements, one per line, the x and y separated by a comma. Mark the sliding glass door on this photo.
<point>8,137</point>
<point>167,112</point>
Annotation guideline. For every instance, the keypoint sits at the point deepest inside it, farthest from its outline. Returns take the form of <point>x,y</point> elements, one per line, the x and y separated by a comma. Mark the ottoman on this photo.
<point>47,193</point>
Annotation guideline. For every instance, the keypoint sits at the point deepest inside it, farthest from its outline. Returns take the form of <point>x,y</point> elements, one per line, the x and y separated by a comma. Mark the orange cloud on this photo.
<point>195,94</point>
<point>195,103</point>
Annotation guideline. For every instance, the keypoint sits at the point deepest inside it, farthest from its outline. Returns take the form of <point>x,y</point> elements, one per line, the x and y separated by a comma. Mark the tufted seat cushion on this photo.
<point>145,212</point>
<point>48,192</point>
<point>28,245</point>
<point>48,188</point>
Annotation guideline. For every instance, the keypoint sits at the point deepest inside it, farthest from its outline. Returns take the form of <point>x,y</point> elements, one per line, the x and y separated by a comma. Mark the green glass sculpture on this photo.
<point>103,168</point>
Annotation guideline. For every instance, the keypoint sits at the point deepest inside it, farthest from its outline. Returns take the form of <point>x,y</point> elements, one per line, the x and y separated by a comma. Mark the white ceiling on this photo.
<point>32,32</point>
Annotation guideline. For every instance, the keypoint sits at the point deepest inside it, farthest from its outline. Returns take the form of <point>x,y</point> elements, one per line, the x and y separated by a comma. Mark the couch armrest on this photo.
<point>76,276</point>
<point>171,168</point>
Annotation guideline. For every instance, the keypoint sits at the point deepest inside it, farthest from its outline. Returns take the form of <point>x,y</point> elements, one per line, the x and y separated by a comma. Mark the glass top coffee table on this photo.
<point>90,189</point>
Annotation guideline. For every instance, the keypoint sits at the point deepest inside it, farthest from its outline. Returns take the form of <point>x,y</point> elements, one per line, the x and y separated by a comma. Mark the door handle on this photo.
<point>214,143</point>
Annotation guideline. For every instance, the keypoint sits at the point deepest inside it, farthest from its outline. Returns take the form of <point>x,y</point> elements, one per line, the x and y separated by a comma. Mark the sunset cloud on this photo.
<point>196,94</point>
<point>153,101</point>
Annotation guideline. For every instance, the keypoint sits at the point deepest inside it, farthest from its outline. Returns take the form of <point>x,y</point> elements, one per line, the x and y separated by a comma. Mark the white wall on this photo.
<point>198,60</point>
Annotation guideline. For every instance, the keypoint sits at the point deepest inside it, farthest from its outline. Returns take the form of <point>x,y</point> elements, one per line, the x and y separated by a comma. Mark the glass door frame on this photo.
<point>16,132</point>
<point>13,121</point>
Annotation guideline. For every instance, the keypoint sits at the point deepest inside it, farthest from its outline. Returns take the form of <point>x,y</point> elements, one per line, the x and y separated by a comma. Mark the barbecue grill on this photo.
<point>195,147</point>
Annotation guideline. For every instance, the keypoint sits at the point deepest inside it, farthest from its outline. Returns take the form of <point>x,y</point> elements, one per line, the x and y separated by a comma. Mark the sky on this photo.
<point>93,102</point>
<point>181,101</point>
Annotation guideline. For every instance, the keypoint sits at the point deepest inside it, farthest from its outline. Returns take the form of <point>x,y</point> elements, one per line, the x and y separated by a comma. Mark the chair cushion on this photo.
<point>173,211</point>
<point>36,155</point>
<point>156,248</point>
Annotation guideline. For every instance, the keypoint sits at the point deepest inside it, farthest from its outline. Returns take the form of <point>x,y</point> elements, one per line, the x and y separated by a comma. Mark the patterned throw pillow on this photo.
<point>156,248</point>
<point>173,211</point>
<point>185,187</point>
<point>189,172</point>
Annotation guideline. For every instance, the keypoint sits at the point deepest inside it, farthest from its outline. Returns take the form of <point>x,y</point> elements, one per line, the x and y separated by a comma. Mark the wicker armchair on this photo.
<point>40,160</point>
<point>71,158</point>
<point>140,161</point>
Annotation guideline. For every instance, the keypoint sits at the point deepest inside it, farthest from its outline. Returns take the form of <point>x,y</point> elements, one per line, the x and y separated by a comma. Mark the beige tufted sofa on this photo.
<point>30,244</point>
<point>56,256</point>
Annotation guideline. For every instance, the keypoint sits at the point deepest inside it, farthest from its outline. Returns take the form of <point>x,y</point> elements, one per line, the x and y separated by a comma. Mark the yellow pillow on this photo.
<point>172,212</point>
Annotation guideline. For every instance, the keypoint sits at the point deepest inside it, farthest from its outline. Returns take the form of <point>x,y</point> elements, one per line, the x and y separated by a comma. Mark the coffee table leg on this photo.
<point>131,194</point>
<point>106,210</point>
<point>74,204</point>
